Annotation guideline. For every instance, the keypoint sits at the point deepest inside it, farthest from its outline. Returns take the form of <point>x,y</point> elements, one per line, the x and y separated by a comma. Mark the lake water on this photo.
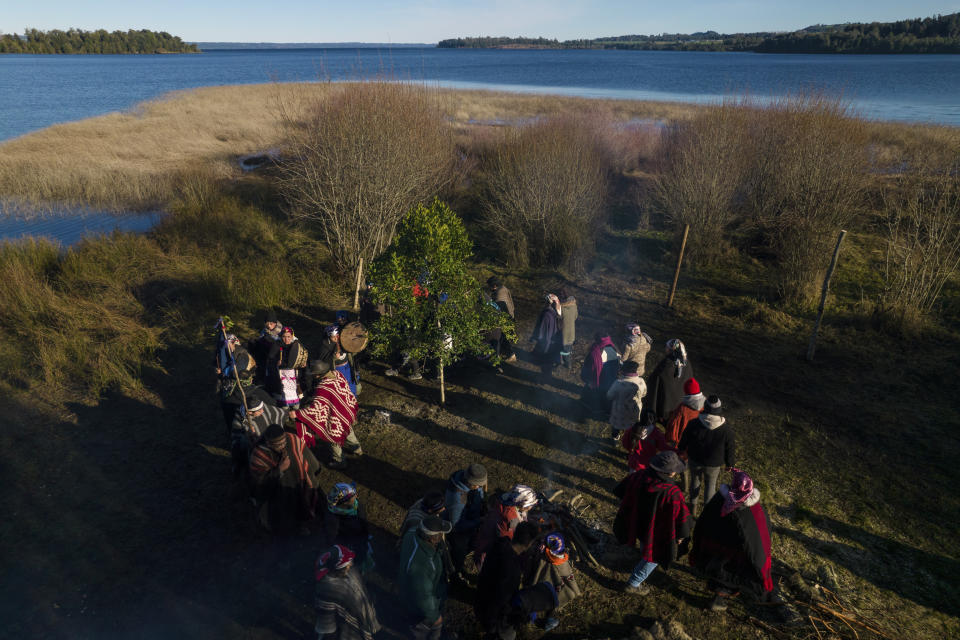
<point>40,90</point>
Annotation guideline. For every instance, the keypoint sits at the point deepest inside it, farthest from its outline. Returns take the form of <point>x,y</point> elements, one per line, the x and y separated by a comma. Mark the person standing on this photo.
<point>691,404</point>
<point>731,543</point>
<point>548,336</point>
<point>553,566</point>
<point>266,349</point>
<point>499,581</point>
<point>329,415</point>
<point>283,479</point>
<point>422,579</point>
<point>625,397</point>
<point>344,607</point>
<point>665,382</point>
<point>503,299</point>
<point>432,504</point>
<point>466,507</point>
<point>568,319</point>
<point>708,443</point>
<point>636,345</point>
<point>652,513</point>
<point>643,440</point>
<point>345,523</point>
<point>344,362</point>
<point>599,372</point>
<point>293,361</point>
<point>502,520</point>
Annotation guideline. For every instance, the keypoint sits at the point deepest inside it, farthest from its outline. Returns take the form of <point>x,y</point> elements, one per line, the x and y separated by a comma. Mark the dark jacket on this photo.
<point>652,514</point>
<point>665,389</point>
<point>352,531</point>
<point>499,579</point>
<point>465,509</point>
<point>422,579</point>
<point>266,351</point>
<point>708,443</point>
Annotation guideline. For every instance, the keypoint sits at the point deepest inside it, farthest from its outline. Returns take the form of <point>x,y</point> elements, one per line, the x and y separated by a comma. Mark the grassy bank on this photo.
<point>122,512</point>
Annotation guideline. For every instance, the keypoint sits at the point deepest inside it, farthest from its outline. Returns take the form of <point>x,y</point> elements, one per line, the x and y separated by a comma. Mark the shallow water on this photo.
<point>69,226</point>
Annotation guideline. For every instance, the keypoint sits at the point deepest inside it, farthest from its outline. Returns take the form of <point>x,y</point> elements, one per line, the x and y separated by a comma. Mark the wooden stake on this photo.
<point>676,273</point>
<point>812,347</point>
<point>356,292</point>
<point>443,393</point>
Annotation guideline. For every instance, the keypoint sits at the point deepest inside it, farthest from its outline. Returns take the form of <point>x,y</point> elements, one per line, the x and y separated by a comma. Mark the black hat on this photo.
<point>273,432</point>
<point>433,502</point>
<point>320,367</point>
<point>493,281</point>
<point>271,316</point>
<point>434,526</point>
<point>630,366</point>
<point>712,406</point>
<point>667,462</point>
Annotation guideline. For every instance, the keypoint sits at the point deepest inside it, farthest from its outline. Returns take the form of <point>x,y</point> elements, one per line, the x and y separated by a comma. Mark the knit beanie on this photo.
<point>691,387</point>
<point>712,406</point>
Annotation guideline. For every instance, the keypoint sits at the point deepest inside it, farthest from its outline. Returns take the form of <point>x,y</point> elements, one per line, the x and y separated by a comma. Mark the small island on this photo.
<point>939,34</point>
<point>75,41</point>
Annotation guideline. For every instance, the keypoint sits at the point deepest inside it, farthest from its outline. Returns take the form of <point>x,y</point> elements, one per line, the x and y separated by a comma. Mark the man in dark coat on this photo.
<point>731,543</point>
<point>548,336</point>
<point>499,581</point>
<point>653,513</point>
<point>422,580</point>
<point>465,508</point>
<point>709,445</point>
<point>266,349</point>
<point>283,479</point>
<point>665,382</point>
<point>504,300</point>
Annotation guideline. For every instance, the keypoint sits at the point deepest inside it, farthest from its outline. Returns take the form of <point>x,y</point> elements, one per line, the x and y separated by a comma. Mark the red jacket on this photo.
<point>499,523</point>
<point>645,449</point>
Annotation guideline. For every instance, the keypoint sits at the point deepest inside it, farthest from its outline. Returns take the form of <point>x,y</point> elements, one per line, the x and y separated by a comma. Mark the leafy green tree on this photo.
<point>436,309</point>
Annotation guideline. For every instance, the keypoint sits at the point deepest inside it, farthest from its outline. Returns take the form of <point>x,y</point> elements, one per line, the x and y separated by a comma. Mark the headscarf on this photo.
<point>288,330</point>
<point>332,330</point>
<point>554,302</point>
<point>342,499</point>
<point>738,492</point>
<point>520,496</point>
<point>595,357</point>
<point>333,559</point>
<point>555,548</point>
<point>677,353</point>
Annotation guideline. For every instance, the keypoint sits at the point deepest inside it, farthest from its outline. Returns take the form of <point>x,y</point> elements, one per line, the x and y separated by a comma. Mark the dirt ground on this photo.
<point>121,521</point>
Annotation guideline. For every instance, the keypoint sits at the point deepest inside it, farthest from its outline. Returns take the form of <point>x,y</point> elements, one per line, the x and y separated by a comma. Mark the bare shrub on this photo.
<point>543,191</point>
<point>702,168</point>
<point>358,159</point>
<point>806,180</point>
<point>922,244</point>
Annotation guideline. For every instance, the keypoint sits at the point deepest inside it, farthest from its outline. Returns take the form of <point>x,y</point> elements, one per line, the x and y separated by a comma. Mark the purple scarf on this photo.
<point>596,358</point>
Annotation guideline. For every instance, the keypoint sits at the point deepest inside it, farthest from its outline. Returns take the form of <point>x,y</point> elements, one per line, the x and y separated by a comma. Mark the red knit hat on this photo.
<point>691,387</point>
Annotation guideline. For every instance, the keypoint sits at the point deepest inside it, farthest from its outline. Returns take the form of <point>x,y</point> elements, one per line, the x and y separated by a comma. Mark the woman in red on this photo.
<point>643,440</point>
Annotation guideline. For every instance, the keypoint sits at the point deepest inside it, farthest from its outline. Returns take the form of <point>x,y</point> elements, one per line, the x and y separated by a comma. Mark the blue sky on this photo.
<point>433,20</point>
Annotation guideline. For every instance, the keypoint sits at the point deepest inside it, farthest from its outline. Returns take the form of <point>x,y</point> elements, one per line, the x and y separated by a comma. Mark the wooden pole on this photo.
<point>233,361</point>
<point>676,273</point>
<point>812,347</point>
<point>356,292</point>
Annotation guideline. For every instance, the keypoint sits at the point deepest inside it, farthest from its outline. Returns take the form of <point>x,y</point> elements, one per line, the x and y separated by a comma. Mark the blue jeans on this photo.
<point>641,572</point>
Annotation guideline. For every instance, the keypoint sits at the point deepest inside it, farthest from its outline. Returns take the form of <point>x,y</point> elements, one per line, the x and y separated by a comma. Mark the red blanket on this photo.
<point>330,414</point>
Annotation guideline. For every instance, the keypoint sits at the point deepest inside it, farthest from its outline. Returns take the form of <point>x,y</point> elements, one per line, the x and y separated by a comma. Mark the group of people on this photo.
<point>285,410</point>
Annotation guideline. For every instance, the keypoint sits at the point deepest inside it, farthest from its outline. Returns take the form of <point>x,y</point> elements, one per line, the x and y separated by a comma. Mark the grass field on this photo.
<point>122,520</point>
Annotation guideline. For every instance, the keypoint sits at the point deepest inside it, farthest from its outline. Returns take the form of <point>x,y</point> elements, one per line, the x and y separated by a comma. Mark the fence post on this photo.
<point>812,347</point>
<point>356,292</point>
<point>676,274</point>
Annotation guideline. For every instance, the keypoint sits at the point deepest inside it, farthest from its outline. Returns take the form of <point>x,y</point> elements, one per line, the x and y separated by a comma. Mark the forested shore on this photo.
<point>940,34</point>
<point>99,41</point>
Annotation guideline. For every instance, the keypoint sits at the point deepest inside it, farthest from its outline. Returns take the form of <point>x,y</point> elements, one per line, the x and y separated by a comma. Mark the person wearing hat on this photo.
<point>332,351</point>
<point>665,383</point>
<point>466,506</point>
<point>422,577</point>
<point>552,565</point>
<point>432,504</point>
<point>731,543</point>
<point>708,443</point>
<point>568,321</point>
<point>283,480</point>
<point>499,581</point>
<point>344,607</point>
<point>345,522</point>
<point>251,423</point>
<point>691,404</point>
<point>625,397</point>
<point>654,515</point>
<point>266,348</point>
<point>330,414</point>
<point>233,362</point>
<point>547,335</point>
<point>643,440</point>
<point>290,367</point>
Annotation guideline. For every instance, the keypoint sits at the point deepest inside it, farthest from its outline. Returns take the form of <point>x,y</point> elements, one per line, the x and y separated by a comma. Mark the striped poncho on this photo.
<point>331,412</point>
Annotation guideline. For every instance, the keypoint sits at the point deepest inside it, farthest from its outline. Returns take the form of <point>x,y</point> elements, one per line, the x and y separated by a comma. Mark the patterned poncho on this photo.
<point>330,414</point>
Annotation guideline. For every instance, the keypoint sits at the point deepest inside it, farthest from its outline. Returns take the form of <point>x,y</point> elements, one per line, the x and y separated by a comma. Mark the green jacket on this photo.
<point>422,581</point>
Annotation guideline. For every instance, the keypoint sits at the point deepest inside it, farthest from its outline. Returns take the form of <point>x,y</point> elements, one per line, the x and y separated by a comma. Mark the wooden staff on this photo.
<point>356,292</point>
<point>236,374</point>
<point>812,347</point>
<point>676,273</point>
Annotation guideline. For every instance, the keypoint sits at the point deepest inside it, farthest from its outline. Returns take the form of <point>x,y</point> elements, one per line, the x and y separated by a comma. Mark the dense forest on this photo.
<point>940,34</point>
<point>99,41</point>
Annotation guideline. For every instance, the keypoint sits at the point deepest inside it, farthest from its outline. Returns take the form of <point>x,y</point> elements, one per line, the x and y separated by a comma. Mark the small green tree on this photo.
<point>435,308</point>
